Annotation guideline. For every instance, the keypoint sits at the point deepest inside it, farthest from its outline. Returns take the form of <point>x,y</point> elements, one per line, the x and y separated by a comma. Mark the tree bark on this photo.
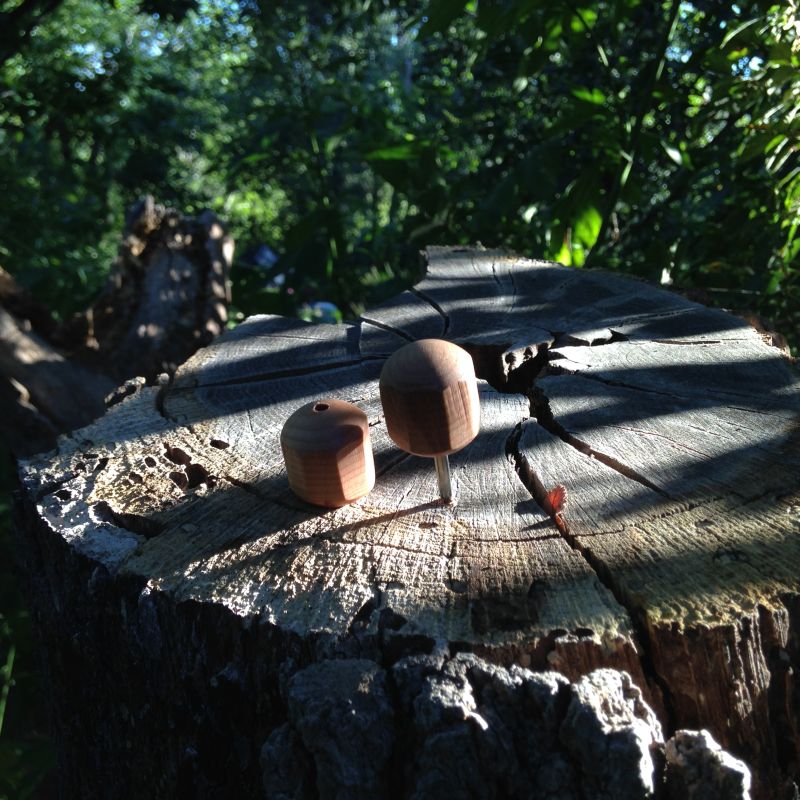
<point>166,296</point>
<point>209,634</point>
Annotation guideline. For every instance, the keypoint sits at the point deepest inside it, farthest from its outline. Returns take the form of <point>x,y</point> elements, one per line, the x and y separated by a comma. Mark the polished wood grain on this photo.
<point>430,398</point>
<point>327,452</point>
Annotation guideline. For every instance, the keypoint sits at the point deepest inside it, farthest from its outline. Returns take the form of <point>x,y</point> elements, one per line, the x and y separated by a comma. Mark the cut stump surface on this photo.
<point>170,526</point>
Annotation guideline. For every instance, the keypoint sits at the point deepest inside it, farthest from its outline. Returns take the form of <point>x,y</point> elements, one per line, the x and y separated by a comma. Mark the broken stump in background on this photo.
<point>167,295</point>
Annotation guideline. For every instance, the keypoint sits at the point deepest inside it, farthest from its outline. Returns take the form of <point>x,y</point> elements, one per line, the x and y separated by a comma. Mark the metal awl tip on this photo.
<point>443,474</point>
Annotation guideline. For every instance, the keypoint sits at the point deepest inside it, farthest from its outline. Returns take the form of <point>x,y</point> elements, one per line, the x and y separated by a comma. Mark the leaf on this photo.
<point>400,152</point>
<point>255,157</point>
<point>594,96</point>
<point>785,181</point>
<point>775,143</point>
<point>774,283</point>
<point>777,161</point>
<point>673,153</point>
<point>626,171</point>
<point>754,146</point>
<point>739,29</point>
<point>564,255</point>
<point>520,83</point>
<point>555,501</point>
<point>587,227</point>
<point>332,142</point>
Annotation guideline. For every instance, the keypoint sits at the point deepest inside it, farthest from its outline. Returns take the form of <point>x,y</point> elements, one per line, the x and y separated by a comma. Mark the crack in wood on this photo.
<point>336,536</point>
<point>250,489</point>
<point>391,463</point>
<point>522,378</point>
<point>493,265</point>
<point>553,368</point>
<point>283,373</point>
<point>161,395</point>
<point>514,292</point>
<point>433,304</point>
<point>385,327</point>
<point>133,523</point>
<point>541,411</point>
<point>679,445</point>
<point>536,488</point>
<point>565,339</point>
<point>515,539</point>
<point>695,341</point>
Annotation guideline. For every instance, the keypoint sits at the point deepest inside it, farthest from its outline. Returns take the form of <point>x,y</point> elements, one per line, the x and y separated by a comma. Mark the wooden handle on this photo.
<point>430,398</point>
<point>328,454</point>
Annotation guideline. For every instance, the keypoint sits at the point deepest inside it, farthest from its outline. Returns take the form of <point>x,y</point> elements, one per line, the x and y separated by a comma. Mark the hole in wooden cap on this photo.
<point>321,407</point>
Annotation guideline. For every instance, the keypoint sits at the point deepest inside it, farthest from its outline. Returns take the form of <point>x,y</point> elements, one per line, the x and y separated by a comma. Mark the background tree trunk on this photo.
<point>209,634</point>
<point>166,296</point>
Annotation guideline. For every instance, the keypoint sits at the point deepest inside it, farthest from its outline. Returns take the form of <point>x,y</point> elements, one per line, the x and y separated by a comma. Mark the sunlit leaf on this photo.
<point>400,152</point>
<point>776,143</point>
<point>254,158</point>
<point>594,96</point>
<point>774,284</point>
<point>584,19</point>
<point>673,153</point>
<point>587,227</point>
<point>332,142</point>
<point>520,84</point>
<point>739,29</point>
<point>564,255</point>
<point>779,159</point>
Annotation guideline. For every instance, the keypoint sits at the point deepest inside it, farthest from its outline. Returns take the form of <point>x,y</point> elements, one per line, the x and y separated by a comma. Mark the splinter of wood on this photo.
<point>327,451</point>
<point>430,402</point>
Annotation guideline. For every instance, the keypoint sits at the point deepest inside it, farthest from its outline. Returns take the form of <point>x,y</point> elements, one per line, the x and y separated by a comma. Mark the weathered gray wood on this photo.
<point>481,731</point>
<point>672,426</point>
<point>697,767</point>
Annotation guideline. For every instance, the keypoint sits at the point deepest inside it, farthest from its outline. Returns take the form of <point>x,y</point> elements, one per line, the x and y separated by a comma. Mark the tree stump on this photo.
<point>209,634</point>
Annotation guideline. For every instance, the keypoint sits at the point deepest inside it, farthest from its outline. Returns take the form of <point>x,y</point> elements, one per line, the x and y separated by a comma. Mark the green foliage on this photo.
<point>102,104</point>
<point>655,138</point>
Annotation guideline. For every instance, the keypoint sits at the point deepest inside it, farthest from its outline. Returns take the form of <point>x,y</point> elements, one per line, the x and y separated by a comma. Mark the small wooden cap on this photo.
<point>430,397</point>
<point>328,453</point>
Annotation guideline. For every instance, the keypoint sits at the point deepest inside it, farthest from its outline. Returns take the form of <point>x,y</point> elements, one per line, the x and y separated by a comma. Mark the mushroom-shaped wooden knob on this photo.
<point>328,454</point>
<point>430,402</point>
